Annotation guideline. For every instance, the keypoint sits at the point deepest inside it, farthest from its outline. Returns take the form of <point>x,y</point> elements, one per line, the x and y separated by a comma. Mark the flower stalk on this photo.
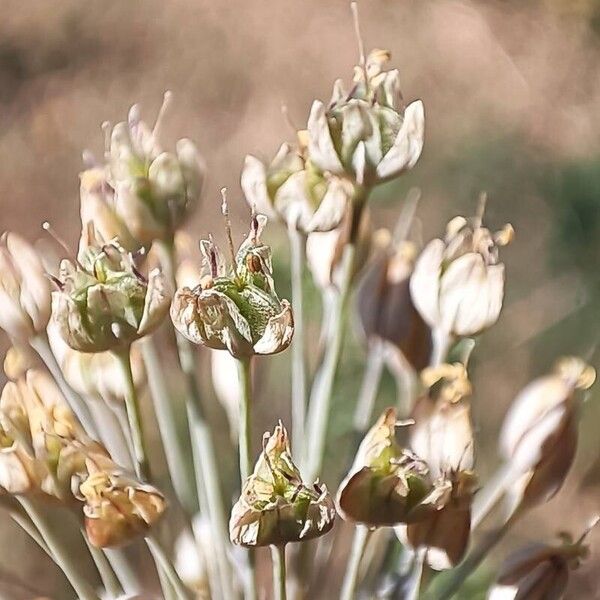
<point>351,577</point>
<point>279,572</point>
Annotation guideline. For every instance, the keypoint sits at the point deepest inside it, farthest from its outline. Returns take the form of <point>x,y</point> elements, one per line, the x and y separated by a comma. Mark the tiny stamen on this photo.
<point>59,240</point>
<point>359,40</point>
<point>288,120</point>
<point>225,212</point>
<point>167,97</point>
<point>214,271</point>
<point>481,203</point>
<point>106,130</point>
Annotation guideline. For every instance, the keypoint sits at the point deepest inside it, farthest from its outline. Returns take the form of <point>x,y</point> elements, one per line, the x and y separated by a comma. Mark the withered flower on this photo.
<point>236,309</point>
<point>154,190</point>
<point>116,507</point>
<point>293,190</point>
<point>539,434</point>
<point>458,282</point>
<point>540,571</point>
<point>443,433</point>
<point>385,308</point>
<point>24,289</point>
<point>388,484</point>
<point>445,533</point>
<point>275,506</point>
<point>367,134</point>
<point>104,302</point>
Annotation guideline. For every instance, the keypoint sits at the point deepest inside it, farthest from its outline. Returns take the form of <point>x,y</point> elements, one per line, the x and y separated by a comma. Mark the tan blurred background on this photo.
<point>512,97</point>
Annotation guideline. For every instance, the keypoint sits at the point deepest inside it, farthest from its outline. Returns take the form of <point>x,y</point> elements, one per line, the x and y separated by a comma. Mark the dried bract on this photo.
<point>275,506</point>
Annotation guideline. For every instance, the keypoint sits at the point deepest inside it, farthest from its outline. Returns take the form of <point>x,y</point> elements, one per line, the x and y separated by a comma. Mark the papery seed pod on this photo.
<point>458,282</point>
<point>293,190</point>
<point>539,571</point>
<point>97,207</point>
<point>324,251</point>
<point>367,134</point>
<point>105,303</point>
<point>236,309</point>
<point>445,533</point>
<point>276,506</point>
<point>443,432</point>
<point>385,308</point>
<point>539,434</point>
<point>117,507</point>
<point>388,484</point>
<point>154,190</point>
<point>96,375</point>
<point>24,289</point>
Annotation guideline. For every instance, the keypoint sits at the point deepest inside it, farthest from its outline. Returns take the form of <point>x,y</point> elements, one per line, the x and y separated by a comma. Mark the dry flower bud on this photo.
<point>117,507</point>
<point>240,311</point>
<point>539,571</point>
<point>291,189</point>
<point>24,289</point>
<point>388,484</point>
<point>385,307</point>
<point>154,190</point>
<point>539,434</point>
<point>445,533</point>
<point>275,506</point>
<point>367,134</point>
<point>458,282</point>
<point>105,303</point>
<point>443,431</point>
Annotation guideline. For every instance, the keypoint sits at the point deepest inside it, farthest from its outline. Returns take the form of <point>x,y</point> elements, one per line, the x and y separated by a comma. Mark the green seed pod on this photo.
<point>275,506</point>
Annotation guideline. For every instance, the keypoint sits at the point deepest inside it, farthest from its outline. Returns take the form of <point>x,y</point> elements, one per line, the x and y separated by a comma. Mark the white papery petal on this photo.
<point>278,333</point>
<point>408,145</point>
<point>254,186</point>
<point>320,145</point>
<point>425,282</point>
<point>333,207</point>
<point>156,303</point>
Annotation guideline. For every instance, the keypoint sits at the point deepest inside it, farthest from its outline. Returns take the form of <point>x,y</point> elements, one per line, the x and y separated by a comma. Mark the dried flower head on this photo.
<point>24,289</point>
<point>154,190</point>
<point>236,309</point>
<point>445,532</point>
<point>458,281</point>
<point>367,134</point>
<point>540,570</point>
<point>385,308</point>
<point>117,507</point>
<point>276,506</point>
<point>104,302</point>
<point>539,434</point>
<point>443,432</point>
<point>388,484</point>
<point>293,190</point>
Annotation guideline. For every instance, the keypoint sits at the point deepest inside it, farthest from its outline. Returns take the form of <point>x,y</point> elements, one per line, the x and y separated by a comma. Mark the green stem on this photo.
<point>320,401</point>
<point>369,388</point>
<point>442,342</point>
<point>26,524</point>
<point>245,448</point>
<point>447,584</point>
<point>129,579</point>
<point>62,557</point>
<point>182,477</point>
<point>142,468</point>
<point>297,243</point>
<point>163,562</point>
<point>203,451</point>
<point>111,433</point>
<point>107,575</point>
<point>491,493</point>
<point>359,543</point>
<point>42,346</point>
<point>416,575</point>
<point>278,558</point>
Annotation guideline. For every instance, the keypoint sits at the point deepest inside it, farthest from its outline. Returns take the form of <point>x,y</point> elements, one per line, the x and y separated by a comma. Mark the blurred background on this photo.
<point>512,97</point>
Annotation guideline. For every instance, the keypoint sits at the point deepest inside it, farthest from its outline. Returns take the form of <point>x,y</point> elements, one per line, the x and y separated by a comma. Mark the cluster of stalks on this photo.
<point>85,374</point>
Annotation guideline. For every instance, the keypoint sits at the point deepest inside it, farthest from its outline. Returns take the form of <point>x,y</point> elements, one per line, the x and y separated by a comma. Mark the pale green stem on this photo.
<point>297,242</point>
<point>245,448</point>
<point>134,417</point>
<point>416,575</point>
<point>442,342</point>
<point>447,584</point>
<point>130,581</point>
<point>203,451</point>
<point>109,579</point>
<point>183,479</point>
<point>320,401</point>
<point>41,345</point>
<point>278,558</point>
<point>351,577</point>
<point>62,557</point>
<point>111,432</point>
<point>491,493</point>
<point>163,562</point>
<point>369,388</point>
<point>27,525</point>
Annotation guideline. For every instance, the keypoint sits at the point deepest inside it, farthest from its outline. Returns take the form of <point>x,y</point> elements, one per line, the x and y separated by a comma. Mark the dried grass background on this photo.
<point>512,97</point>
